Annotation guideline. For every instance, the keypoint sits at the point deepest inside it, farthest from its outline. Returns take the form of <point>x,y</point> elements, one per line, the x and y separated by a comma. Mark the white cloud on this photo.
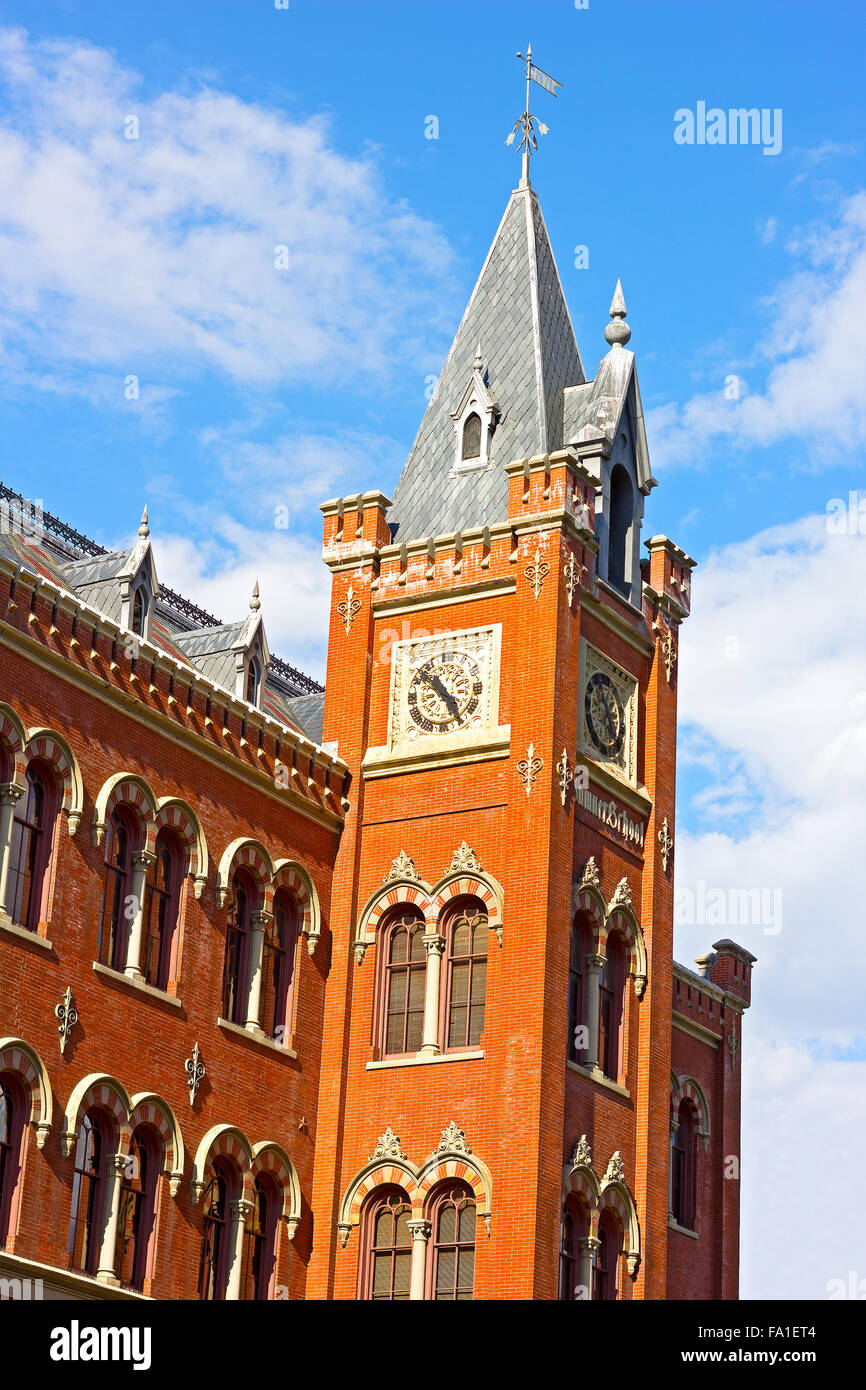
<point>157,255</point>
<point>814,350</point>
<point>772,694</point>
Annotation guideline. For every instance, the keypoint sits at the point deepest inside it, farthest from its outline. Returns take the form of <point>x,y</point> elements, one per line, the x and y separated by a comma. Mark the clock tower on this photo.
<point>501,1055</point>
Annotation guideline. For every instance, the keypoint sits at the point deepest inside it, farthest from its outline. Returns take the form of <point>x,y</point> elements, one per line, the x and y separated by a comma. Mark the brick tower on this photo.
<point>502,678</point>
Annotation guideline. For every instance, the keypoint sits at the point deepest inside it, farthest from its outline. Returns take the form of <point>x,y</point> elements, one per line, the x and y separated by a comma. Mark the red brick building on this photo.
<point>369,992</point>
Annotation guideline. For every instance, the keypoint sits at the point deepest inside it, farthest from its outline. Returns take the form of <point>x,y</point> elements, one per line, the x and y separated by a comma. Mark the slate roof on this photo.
<point>73,562</point>
<point>518,314</point>
<point>308,712</point>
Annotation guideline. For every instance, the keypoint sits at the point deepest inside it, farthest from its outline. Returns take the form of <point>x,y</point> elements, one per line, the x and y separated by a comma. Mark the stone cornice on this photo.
<point>441,598</point>
<point>617,624</point>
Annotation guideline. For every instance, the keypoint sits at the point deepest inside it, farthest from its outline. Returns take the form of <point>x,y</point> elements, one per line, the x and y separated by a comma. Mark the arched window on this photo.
<point>621,518</point>
<point>137,1212</point>
<point>139,610</point>
<point>260,1242</point>
<point>453,1270</point>
<point>161,905</point>
<point>684,1162</point>
<point>234,995</point>
<point>572,1230</point>
<point>12,1116</point>
<point>117,908</point>
<point>467,977</point>
<point>405,979</point>
<point>472,437</point>
<point>278,961</point>
<point>580,945</point>
<point>30,852</point>
<point>85,1223</point>
<point>610,1002</point>
<point>606,1276</point>
<point>253,681</point>
<point>213,1263</point>
<point>388,1245</point>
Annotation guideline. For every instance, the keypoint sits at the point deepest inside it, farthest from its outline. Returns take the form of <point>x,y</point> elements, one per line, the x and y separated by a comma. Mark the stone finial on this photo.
<point>453,1141</point>
<point>255,601</point>
<point>478,364</point>
<point>582,1156</point>
<point>144,529</point>
<point>615,1171</point>
<point>618,332</point>
<point>388,1146</point>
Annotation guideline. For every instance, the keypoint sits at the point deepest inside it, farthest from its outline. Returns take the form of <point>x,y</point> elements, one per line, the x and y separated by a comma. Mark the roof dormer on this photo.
<point>121,584</point>
<point>474,421</point>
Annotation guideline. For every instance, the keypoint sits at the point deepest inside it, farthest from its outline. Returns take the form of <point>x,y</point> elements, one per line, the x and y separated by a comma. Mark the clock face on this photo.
<point>605,716</point>
<point>444,692</point>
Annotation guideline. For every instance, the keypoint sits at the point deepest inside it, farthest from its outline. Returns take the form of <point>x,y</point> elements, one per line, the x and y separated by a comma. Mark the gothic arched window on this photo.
<point>85,1222</point>
<point>12,1117</point>
<point>213,1261</point>
<point>161,909</point>
<point>606,1278</point>
<point>139,610</point>
<point>278,961</point>
<point>137,1212</point>
<point>114,919</point>
<point>467,977</point>
<point>253,681</point>
<point>472,437</point>
<point>610,1008</point>
<point>684,1161</point>
<point>234,993</point>
<point>388,1247</point>
<point>405,981</point>
<point>260,1241</point>
<point>453,1270</point>
<point>30,851</point>
<point>572,1230</point>
<point>580,945</point>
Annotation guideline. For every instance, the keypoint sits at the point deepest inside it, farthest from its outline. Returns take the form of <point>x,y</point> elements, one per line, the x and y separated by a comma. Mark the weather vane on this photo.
<point>527,122</point>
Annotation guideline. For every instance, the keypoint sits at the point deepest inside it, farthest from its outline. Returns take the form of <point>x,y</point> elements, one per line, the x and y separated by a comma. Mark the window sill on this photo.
<point>64,1283</point>
<point>600,1079</point>
<point>425,1059</point>
<point>258,1039</point>
<point>117,977</point>
<point>683,1230</point>
<point>29,938</point>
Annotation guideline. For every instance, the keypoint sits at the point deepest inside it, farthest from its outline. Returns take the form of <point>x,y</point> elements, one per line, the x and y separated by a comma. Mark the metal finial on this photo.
<point>527,122</point>
<point>255,604</point>
<point>144,529</point>
<point>618,331</point>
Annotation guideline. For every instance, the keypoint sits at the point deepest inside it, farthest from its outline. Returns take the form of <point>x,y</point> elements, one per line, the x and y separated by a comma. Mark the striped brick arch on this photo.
<point>625,922</point>
<point>686,1088</point>
<point>129,790</point>
<point>53,749</point>
<point>386,1173</point>
<point>451,1168</point>
<point>269,1157</point>
<point>293,877</point>
<point>581,1182</point>
<point>174,814</point>
<point>615,1198</point>
<point>147,1108</point>
<point>230,1143</point>
<point>102,1091</point>
<point>590,903</point>
<point>13,737</point>
<point>24,1061</point>
<point>244,854</point>
<point>472,885</point>
<point>400,893</point>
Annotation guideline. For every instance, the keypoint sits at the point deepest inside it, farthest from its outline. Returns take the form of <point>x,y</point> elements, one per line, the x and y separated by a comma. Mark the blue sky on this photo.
<point>154,258</point>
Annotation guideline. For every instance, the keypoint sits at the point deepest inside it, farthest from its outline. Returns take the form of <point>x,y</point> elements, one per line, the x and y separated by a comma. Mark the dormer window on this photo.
<point>139,611</point>
<point>474,421</point>
<point>472,437</point>
<point>253,681</point>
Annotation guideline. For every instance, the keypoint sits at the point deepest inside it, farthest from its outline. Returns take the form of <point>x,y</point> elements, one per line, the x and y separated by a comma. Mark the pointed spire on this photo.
<point>618,332</point>
<point>255,603</point>
<point>144,529</point>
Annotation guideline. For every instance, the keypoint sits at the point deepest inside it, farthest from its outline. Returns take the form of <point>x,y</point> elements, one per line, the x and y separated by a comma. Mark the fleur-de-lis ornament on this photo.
<point>67,1017</point>
<point>536,573</point>
<point>195,1072</point>
<point>529,768</point>
<point>348,609</point>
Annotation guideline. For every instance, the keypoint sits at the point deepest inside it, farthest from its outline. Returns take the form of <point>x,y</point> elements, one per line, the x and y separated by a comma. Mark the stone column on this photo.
<point>587,1245</point>
<point>115,1166</point>
<point>435,945</point>
<point>258,922</point>
<point>239,1212</point>
<point>9,795</point>
<point>675,1124</point>
<point>594,967</point>
<point>141,862</point>
<point>420,1236</point>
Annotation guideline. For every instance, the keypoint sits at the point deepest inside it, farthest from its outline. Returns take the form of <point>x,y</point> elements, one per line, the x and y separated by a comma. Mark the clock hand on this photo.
<point>607,714</point>
<point>441,690</point>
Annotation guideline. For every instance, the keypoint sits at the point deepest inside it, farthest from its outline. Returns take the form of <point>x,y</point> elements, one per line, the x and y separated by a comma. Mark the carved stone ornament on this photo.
<point>528,768</point>
<point>582,1156</point>
<point>360,949</point>
<point>615,1171</point>
<point>453,1141</point>
<point>348,609</point>
<point>195,1072</point>
<point>733,1044</point>
<point>565,773</point>
<point>67,1017</point>
<point>668,646</point>
<point>465,860</point>
<point>536,573</point>
<point>589,877</point>
<point>666,841</point>
<point>621,895</point>
<point>387,1146</point>
<point>345,1229</point>
<point>402,867</point>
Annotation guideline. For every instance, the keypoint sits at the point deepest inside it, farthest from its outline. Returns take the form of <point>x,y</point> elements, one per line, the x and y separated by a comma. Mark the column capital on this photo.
<point>259,920</point>
<point>420,1229</point>
<point>434,943</point>
<point>241,1209</point>
<point>595,962</point>
<point>10,793</point>
<point>143,858</point>
<point>589,1243</point>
